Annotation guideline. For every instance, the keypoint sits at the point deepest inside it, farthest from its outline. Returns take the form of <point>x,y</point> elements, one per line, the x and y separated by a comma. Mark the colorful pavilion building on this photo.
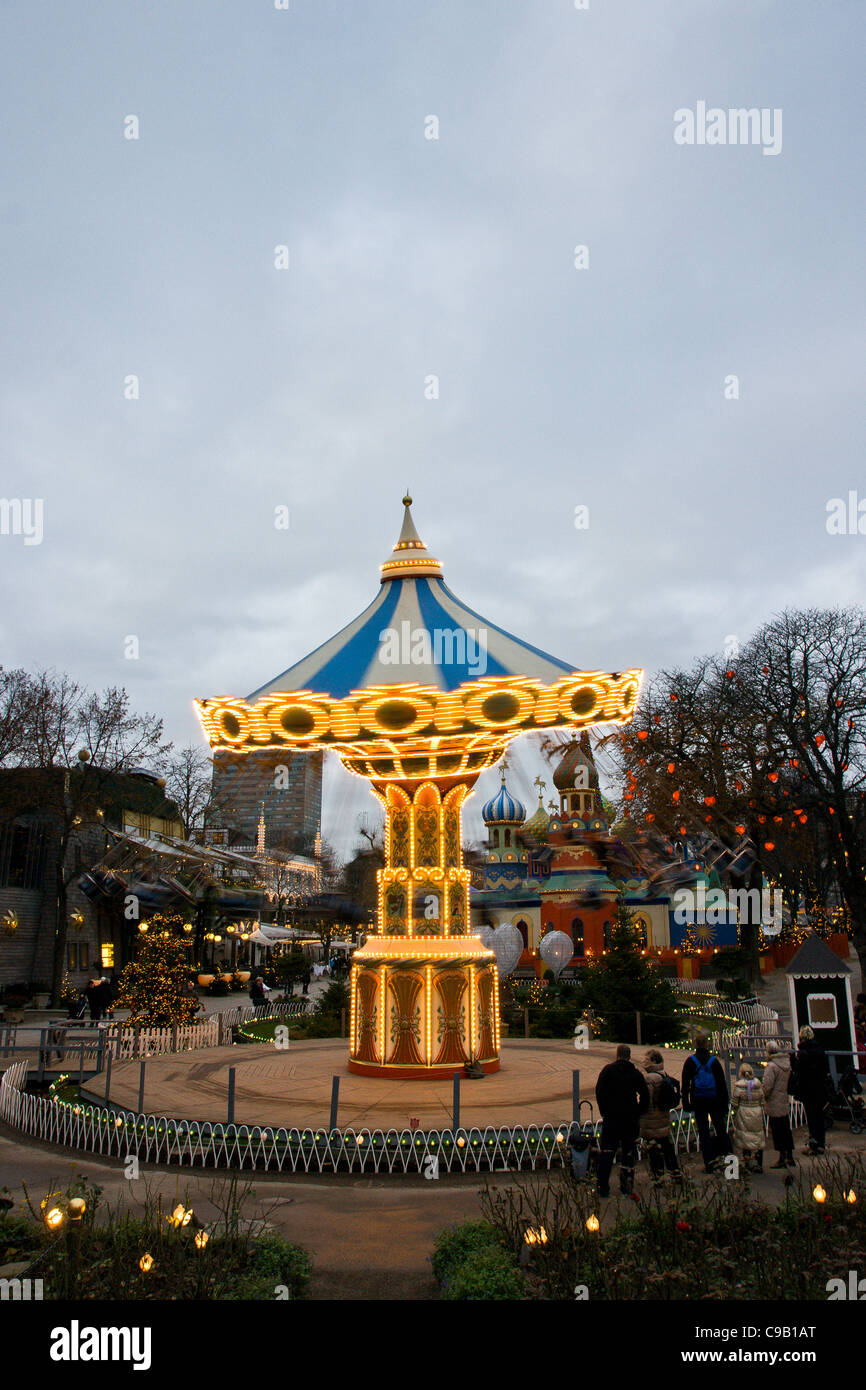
<point>561,871</point>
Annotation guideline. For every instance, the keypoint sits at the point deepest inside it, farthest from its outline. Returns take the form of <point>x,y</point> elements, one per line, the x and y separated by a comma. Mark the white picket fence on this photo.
<point>128,1042</point>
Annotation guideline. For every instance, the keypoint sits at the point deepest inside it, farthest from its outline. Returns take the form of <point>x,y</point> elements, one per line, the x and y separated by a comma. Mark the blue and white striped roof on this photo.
<point>503,808</point>
<point>414,632</point>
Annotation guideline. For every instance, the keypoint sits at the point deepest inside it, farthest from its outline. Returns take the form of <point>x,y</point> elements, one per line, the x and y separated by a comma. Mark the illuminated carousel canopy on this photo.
<point>417,671</point>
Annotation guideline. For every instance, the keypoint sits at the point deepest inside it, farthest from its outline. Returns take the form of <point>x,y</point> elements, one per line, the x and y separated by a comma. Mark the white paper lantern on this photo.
<point>507,943</point>
<point>557,949</point>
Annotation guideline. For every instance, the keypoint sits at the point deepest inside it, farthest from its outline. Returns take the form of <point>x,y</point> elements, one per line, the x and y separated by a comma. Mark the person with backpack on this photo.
<point>259,992</point>
<point>810,1084</point>
<point>622,1096</point>
<point>705,1093</point>
<point>777,1074</point>
<point>655,1122</point>
<point>747,1101</point>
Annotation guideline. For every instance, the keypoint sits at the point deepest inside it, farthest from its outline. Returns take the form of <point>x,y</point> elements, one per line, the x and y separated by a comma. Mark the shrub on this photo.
<point>454,1244</point>
<point>241,1258</point>
<point>489,1273</point>
<point>701,1240</point>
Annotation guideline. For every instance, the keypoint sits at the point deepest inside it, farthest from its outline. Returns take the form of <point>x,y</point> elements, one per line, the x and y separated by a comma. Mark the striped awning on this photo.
<point>415,631</point>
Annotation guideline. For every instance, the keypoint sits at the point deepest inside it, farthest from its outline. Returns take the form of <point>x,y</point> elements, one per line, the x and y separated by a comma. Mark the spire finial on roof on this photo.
<point>410,558</point>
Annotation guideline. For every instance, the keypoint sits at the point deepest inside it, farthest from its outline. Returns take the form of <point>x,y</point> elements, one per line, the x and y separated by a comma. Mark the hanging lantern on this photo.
<point>9,922</point>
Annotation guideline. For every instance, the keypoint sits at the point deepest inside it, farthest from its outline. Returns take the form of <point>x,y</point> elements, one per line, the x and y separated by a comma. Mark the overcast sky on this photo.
<point>410,257</point>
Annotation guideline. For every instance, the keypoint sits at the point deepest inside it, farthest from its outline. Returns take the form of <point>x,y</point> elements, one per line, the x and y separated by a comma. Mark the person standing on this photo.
<point>95,997</point>
<point>305,980</point>
<point>705,1093</point>
<point>748,1105</point>
<point>622,1096</point>
<point>811,1081</point>
<point>775,1083</point>
<point>655,1122</point>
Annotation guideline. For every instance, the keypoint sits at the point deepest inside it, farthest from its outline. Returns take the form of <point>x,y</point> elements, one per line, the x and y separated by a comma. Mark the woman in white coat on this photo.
<point>747,1099</point>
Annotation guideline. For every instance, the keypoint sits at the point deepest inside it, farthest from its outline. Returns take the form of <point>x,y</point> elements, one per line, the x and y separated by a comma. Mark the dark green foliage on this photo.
<point>732,974</point>
<point>711,1240</point>
<point>334,998</point>
<point>471,1262</point>
<point>99,1258</point>
<point>486,1274</point>
<point>624,983</point>
<point>455,1243</point>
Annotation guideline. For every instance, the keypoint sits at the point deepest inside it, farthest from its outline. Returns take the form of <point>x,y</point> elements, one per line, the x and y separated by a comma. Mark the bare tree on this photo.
<point>188,782</point>
<point>90,738</point>
<point>17,693</point>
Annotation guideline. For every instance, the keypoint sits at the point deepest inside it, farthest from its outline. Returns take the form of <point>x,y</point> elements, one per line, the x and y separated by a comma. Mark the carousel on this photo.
<point>418,696</point>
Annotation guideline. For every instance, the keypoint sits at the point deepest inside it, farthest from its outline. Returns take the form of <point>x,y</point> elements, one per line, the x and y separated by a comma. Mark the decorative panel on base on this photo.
<point>423,1007</point>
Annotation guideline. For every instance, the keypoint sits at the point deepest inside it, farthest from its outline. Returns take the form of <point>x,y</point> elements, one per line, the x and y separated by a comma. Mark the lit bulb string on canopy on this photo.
<point>418,696</point>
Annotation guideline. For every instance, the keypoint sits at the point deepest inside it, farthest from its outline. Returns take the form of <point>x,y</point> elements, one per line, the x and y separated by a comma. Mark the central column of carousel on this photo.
<point>425,992</point>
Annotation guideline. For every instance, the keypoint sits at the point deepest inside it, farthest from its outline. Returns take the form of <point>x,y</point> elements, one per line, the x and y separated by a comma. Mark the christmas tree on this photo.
<point>154,986</point>
<point>623,984</point>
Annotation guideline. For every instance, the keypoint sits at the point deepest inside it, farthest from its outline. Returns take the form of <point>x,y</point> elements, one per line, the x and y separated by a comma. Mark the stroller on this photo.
<point>845,1102</point>
<point>583,1145</point>
<point>77,1008</point>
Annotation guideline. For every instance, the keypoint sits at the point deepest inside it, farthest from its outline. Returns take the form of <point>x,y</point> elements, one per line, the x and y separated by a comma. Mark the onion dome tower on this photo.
<point>538,822</point>
<point>419,694</point>
<point>503,816</point>
<point>576,780</point>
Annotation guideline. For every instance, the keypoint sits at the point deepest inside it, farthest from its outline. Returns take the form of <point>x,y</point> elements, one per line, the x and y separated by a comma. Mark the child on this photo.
<point>748,1104</point>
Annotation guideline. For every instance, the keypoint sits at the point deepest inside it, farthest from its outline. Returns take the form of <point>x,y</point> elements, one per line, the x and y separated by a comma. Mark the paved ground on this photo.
<point>369,1237</point>
<point>293,1087</point>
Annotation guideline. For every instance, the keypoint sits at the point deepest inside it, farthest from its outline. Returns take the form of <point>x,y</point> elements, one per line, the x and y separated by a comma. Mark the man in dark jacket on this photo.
<point>705,1092</point>
<point>811,1076</point>
<point>622,1096</point>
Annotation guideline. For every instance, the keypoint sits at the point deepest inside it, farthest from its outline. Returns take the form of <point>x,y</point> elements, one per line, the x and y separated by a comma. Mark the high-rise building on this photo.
<point>289,785</point>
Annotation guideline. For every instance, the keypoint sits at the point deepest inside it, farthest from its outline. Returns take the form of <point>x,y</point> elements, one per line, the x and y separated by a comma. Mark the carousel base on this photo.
<point>417,1073</point>
<point>423,1008</point>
